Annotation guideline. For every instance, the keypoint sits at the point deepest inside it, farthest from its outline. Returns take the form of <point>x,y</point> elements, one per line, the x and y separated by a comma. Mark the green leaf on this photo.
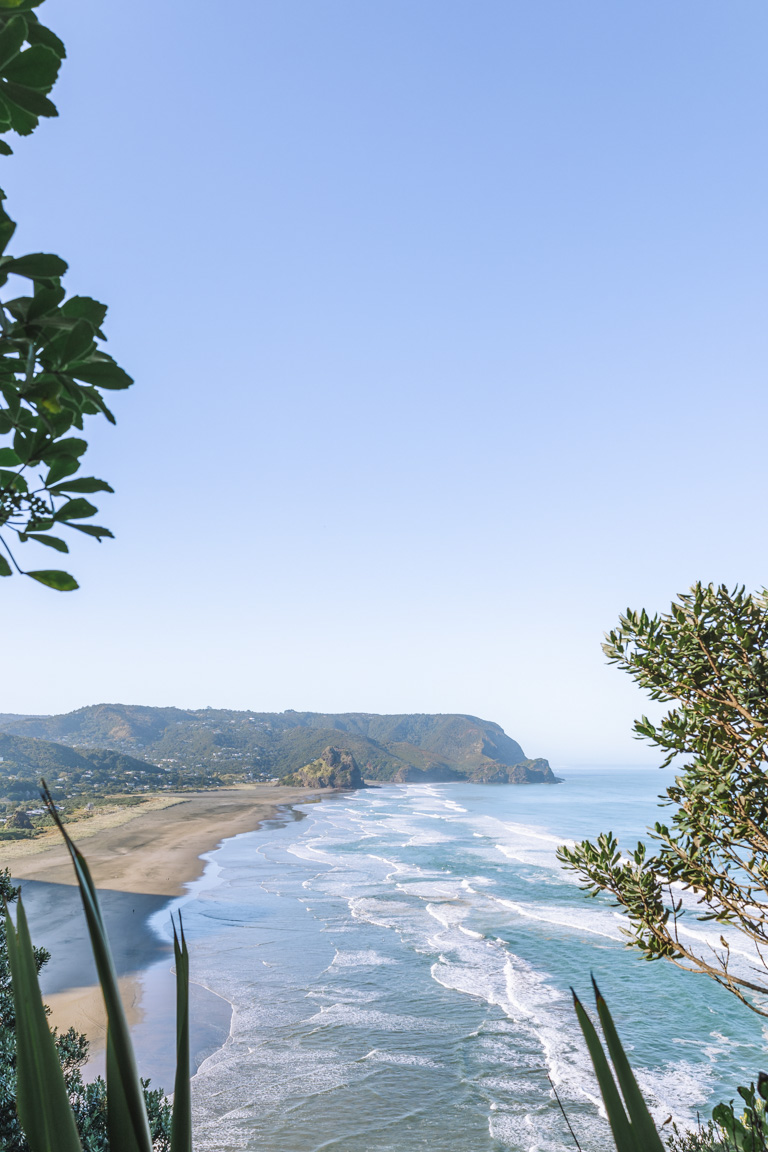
<point>75,510</point>
<point>61,467</point>
<point>8,458</point>
<point>93,530</point>
<point>39,34</point>
<point>13,480</point>
<point>21,121</point>
<point>44,301</point>
<point>70,446</point>
<point>127,1115</point>
<point>95,398</point>
<point>27,98</point>
<point>36,68</point>
<point>12,37</point>
<point>61,581</point>
<point>37,265</point>
<point>181,1124</point>
<point>51,541</point>
<point>79,341</point>
<point>5,568</point>
<point>104,373</point>
<point>7,227</point>
<point>42,1100</point>
<point>640,1118</point>
<point>617,1117</point>
<point>85,308</point>
<point>84,484</point>
<point>5,149</point>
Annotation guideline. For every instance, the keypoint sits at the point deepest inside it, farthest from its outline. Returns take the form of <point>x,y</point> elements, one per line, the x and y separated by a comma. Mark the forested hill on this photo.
<point>253,745</point>
<point>24,761</point>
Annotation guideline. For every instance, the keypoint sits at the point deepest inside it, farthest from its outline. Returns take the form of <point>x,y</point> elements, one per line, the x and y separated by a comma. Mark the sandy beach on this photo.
<point>140,858</point>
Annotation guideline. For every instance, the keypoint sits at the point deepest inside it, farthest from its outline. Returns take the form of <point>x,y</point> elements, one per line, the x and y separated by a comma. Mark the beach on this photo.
<point>140,858</point>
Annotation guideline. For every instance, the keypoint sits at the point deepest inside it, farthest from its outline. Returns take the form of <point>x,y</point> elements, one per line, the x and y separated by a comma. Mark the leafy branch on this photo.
<point>709,657</point>
<point>52,366</point>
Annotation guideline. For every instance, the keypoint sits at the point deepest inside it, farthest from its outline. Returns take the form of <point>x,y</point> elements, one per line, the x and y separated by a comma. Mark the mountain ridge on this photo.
<point>257,745</point>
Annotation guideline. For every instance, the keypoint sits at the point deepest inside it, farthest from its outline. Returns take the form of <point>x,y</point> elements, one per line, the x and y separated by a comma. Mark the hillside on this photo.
<point>264,745</point>
<point>24,760</point>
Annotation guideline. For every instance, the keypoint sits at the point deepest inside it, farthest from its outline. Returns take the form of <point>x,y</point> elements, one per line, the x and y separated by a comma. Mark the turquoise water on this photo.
<point>398,961</point>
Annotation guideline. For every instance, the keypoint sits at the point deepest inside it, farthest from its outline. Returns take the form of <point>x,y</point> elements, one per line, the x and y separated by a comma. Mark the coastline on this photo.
<point>140,859</point>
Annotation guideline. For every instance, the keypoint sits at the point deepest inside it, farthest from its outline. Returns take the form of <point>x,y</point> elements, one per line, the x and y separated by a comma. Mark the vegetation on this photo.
<point>120,1113</point>
<point>52,367</point>
<point>631,1123</point>
<point>730,1130</point>
<point>708,657</point>
<point>88,1101</point>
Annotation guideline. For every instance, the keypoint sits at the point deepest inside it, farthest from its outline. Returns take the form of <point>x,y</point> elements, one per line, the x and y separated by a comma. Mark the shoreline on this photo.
<point>141,859</point>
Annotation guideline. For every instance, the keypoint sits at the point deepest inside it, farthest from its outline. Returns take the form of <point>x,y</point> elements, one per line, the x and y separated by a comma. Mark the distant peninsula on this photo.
<point>106,748</point>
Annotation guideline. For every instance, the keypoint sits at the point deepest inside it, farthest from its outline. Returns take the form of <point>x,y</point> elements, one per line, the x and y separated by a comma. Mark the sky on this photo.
<point>448,328</point>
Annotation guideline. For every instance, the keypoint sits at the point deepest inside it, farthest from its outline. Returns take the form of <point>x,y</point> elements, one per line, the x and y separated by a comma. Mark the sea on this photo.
<point>399,961</point>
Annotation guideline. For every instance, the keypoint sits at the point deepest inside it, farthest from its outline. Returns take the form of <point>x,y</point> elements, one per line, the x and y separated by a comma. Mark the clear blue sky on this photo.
<point>448,326</point>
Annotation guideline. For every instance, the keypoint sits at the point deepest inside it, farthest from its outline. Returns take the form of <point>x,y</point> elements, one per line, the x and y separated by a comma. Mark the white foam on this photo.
<point>406,1058</point>
<point>595,921</point>
<point>365,958</point>
<point>349,1016</point>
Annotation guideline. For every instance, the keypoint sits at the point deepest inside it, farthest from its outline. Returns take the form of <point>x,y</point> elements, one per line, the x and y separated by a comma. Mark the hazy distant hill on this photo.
<point>266,744</point>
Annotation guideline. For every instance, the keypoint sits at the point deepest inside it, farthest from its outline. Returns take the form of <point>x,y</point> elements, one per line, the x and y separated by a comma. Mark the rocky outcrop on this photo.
<point>334,768</point>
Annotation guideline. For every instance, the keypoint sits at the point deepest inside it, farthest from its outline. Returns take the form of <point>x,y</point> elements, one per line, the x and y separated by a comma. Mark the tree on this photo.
<point>52,367</point>
<point>709,657</point>
<point>89,1101</point>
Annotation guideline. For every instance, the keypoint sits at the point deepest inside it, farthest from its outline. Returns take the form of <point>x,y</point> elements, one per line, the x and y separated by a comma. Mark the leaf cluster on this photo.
<point>747,1131</point>
<point>709,657</point>
<point>53,370</point>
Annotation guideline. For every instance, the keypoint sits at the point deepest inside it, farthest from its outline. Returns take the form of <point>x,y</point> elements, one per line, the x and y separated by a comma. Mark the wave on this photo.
<point>408,890</point>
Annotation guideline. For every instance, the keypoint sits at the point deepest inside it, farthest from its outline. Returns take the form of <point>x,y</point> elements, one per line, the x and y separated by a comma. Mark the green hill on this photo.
<point>264,745</point>
<point>24,760</point>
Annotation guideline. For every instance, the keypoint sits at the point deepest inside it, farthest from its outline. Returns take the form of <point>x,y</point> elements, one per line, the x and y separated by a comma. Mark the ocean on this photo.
<point>398,962</point>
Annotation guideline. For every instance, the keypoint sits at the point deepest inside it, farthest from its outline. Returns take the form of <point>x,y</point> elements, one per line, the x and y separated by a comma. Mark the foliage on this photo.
<point>42,1096</point>
<point>631,1122</point>
<point>704,1138</point>
<point>747,1132</point>
<point>88,1101</point>
<point>730,1130</point>
<point>709,656</point>
<point>52,367</point>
